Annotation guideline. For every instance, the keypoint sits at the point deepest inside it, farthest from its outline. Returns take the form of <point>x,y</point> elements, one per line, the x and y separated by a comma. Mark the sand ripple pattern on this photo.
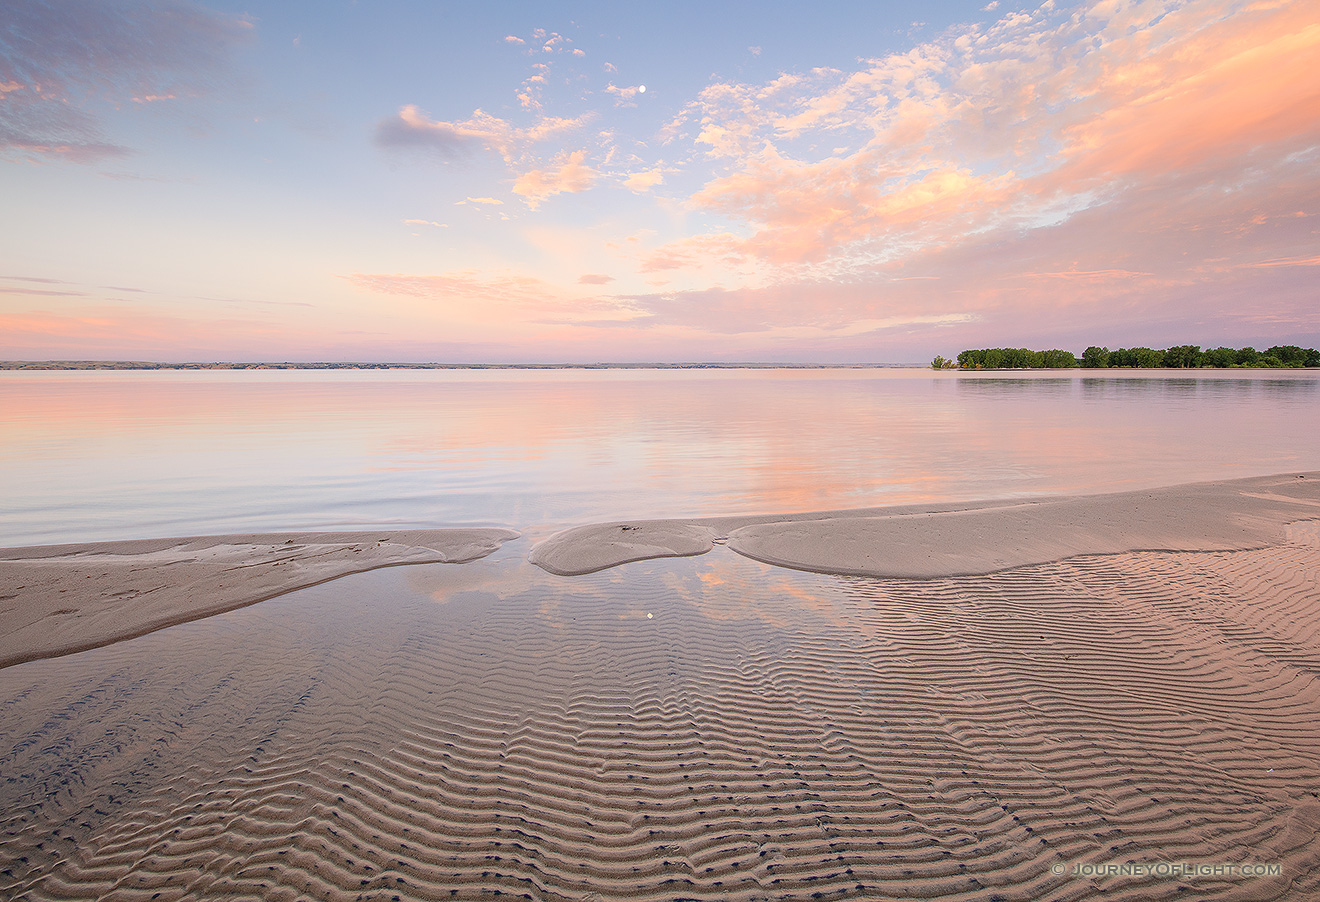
<point>763,734</point>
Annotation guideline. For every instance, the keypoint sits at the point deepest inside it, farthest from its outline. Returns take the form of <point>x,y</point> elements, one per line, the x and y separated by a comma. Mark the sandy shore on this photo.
<point>64,598</point>
<point>1062,700</point>
<point>57,599</point>
<point>961,539</point>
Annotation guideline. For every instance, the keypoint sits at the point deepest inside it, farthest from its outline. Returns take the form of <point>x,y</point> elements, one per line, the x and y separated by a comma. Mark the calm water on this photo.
<point>99,455</point>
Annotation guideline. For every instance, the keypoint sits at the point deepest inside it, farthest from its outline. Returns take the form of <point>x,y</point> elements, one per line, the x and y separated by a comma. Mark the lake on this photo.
<point>128,454</point>
<point>706,727</point>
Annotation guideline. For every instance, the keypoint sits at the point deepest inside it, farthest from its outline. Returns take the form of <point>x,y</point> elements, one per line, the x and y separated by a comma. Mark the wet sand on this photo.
<point>965,538</point>
<point>710,726</point>
<point>57,599</point>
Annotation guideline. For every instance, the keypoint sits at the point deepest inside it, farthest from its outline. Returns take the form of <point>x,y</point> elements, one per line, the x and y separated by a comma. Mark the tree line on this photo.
<point>1176,357</point>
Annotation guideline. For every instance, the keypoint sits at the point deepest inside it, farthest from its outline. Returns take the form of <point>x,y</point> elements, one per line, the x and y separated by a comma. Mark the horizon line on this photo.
<point>387,364</point>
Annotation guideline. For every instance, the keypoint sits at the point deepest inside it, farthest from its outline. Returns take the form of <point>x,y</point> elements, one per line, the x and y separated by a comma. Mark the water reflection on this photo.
<point>1223,388</point>
<point>121,455</point>
<point>1010,386</point>
<point>424,727</point>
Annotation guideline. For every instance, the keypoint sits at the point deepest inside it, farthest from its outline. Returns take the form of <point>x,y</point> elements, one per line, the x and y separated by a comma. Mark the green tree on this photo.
<point>942,363</point>
<point>1020,358</point>
<point>1148,358</point>
<point>1182,356</point>
<point>1138,357</point>
<point>1094,358</point>
<point>1178,356</point>
<point>1288,355</point>
<point>1246,356</point>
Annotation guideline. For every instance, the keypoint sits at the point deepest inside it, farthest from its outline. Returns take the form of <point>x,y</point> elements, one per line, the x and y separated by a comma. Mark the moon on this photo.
<point>641,89</point>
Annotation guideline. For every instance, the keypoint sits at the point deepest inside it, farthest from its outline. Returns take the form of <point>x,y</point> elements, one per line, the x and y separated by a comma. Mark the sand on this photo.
<point>57,599</point>
<point>1097,713</point>
<point>961,539</point>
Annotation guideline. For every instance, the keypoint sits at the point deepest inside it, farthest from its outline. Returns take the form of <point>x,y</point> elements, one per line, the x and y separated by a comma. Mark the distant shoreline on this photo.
<point>288,365</point>
<point>136,365</point>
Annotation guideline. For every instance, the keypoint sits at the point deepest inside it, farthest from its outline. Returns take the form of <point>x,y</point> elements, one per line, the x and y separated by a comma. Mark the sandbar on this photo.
<point>58,599</point>
<point>1108,699</point>
<point>964,539</point>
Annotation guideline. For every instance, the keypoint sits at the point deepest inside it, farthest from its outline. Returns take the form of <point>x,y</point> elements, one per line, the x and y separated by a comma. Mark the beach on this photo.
<point>80,596</point>
<point>585,452</point>
<point>1018,699</point>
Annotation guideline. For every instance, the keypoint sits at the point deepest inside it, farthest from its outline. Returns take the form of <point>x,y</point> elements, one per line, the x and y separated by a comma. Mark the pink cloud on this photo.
<point>485,306</point>
<point>692,253</point>
<point>645,180</point>
<point>568,174</point>
<point>1232,85</point>
<point>1013,129</point>
<point>542,41</point>
<point>124,332</point>
<point>412,128</point>
<point>42,292</point>
<point>1294,261</point>
<point>625,95</point>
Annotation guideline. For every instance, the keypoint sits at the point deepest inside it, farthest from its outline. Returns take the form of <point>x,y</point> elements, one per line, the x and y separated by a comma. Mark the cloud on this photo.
<point>134,333</point>
<point>1230,87</point>
<point>413,129</point>
<point>41,292</point>
<point>1090,275</point>
<point>1008,128</point>
<point>64,66</point>
<point>593,278</point>
<point>40,279</point>
<point>786,313</point>
<point>1292,261</point>
<point>488,305</point>
<point>39,130</point>
<point>645,181</point>
<point>806,212</point>
<point>569,174</point>
<point>541,41</point>
<point>623,96</point>
<point>693,253</point>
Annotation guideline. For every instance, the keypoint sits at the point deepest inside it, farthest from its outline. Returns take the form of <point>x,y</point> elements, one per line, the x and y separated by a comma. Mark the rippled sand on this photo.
<point>704,727</point>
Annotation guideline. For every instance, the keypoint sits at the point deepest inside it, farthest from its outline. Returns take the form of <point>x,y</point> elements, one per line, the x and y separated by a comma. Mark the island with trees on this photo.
<point>1176,357</point>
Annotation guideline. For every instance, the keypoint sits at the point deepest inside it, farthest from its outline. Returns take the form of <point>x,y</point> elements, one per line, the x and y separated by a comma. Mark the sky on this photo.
<point>846,182</point>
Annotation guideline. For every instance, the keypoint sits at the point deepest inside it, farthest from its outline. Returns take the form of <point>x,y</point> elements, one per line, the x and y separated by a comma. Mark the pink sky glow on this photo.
<point>188,182</point>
